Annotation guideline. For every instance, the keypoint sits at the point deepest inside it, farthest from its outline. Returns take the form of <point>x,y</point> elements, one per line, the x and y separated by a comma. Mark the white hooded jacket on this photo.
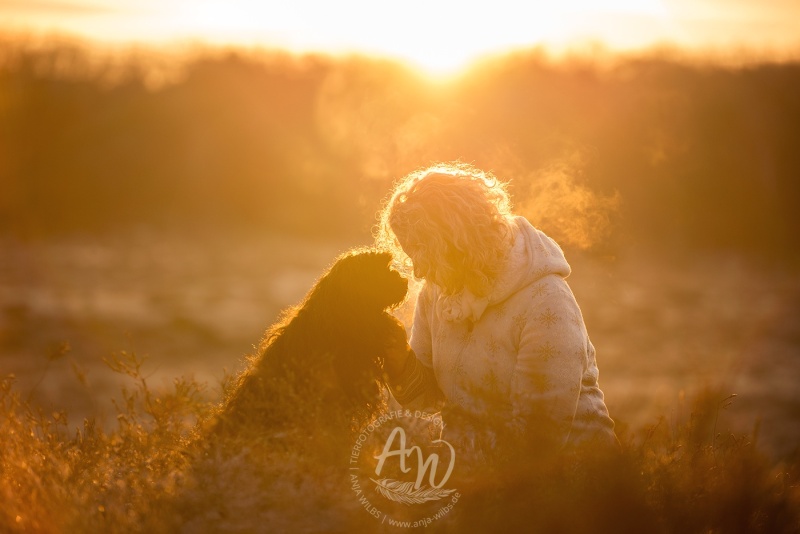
<point>521,353</point>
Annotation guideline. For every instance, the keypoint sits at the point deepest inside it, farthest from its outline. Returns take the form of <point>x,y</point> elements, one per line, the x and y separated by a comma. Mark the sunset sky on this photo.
<point>438,35</point>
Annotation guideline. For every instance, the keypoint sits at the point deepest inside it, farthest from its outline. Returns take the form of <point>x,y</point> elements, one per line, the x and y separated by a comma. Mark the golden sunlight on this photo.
<point>440,37</point>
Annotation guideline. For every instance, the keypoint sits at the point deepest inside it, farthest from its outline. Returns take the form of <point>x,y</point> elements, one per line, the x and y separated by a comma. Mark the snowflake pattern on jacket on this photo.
<point>521,353</point>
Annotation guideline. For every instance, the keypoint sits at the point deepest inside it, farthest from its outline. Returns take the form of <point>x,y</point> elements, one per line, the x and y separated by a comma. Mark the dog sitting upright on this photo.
<point>321,365</point>
<point>273,452</point>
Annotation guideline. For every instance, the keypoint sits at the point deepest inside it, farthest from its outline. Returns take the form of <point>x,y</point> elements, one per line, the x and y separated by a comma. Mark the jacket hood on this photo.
<point>533,256</point>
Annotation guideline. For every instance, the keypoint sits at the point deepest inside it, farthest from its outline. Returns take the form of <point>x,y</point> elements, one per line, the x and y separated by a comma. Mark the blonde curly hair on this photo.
<point>455,216</point>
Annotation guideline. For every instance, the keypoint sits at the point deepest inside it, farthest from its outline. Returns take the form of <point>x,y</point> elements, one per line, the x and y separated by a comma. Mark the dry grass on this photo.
<point>140,476</point>
<point>674,341</point>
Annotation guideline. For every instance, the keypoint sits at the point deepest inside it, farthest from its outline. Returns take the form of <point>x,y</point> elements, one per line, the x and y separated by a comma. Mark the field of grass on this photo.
<point>117,347</point>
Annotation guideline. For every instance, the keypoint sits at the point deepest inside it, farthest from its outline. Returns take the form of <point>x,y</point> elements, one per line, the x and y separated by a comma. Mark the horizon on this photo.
<point>742,30</point>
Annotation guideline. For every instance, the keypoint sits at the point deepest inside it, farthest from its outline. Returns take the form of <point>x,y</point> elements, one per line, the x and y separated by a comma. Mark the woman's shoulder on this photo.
<point>550,290</point>
<point>542,286</point>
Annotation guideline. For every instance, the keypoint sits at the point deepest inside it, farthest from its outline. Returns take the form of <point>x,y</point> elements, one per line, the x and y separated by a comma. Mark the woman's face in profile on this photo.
<point>425,266</point>
<point>419,253</point>
<point>421,257</point>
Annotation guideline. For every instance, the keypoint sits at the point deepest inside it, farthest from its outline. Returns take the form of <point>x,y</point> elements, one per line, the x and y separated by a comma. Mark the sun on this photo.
<point>439,37</point>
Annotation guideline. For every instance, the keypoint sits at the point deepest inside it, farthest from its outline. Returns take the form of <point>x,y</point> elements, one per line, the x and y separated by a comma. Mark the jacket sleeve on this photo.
<point>416,387</point>
<point>550,364</point>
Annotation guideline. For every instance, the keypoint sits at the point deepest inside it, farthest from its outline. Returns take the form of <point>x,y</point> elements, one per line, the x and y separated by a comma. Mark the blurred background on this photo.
<point>173,174</point>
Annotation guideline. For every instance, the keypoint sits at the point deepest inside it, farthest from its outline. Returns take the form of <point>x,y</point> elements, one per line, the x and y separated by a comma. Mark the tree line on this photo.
<point>649,149</point>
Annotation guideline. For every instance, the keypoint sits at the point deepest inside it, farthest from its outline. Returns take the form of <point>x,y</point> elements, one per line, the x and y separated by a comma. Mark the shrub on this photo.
<point>144,475</point>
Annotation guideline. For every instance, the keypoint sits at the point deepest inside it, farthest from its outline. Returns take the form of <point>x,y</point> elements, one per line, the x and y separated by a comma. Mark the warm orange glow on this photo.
<point>441,37</point>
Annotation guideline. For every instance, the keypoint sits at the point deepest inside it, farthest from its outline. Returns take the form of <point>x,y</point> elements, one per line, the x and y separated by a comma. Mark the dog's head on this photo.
<point>361,281</point>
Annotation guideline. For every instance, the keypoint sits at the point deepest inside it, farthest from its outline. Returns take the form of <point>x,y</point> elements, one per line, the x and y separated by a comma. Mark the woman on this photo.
<point>497,334</point>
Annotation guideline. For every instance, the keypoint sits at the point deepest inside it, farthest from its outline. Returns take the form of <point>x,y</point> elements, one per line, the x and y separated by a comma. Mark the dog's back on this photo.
<point>322,362</point>
<point>286,421</point>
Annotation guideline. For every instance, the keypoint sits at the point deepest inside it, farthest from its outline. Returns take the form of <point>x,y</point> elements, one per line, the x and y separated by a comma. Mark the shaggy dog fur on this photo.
<point>321,364</point>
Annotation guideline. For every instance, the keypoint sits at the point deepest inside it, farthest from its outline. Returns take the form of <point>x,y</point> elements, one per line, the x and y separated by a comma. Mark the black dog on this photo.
<point>322,362</point>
